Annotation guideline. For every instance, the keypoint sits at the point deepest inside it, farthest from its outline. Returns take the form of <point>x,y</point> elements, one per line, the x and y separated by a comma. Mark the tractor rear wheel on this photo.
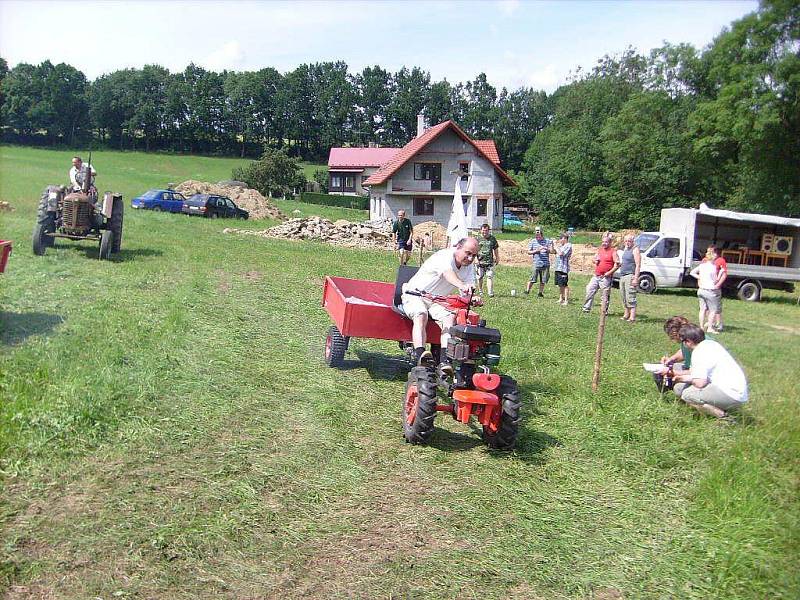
<point>117,214</point>
<point>505,438</point>
<point>335,347</point>
<point>419,405</point>
<point>106,241</point>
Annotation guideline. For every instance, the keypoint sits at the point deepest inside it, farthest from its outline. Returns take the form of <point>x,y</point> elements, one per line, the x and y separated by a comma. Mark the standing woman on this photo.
<point>630,264</point>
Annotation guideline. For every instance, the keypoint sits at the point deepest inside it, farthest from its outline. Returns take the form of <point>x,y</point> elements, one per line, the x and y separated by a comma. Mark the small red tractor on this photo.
<point>371,309</point>
<point>77,215</point>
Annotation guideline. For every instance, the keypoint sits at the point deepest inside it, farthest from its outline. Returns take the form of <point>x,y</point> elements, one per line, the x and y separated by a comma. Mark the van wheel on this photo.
<point>749,291</point>
<point>647,283</point>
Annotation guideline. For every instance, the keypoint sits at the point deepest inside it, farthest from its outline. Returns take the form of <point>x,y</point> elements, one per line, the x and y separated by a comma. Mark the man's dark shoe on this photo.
<point>540,294</point>
<point>425,359</point>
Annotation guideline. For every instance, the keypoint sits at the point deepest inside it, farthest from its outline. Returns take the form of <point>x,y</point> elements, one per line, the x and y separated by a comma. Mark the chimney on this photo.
<point>420,124</point>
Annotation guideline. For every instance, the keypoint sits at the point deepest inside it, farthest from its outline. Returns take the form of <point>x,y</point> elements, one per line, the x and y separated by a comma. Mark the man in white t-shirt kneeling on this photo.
<point>715,383</point>
<point>446,269</point>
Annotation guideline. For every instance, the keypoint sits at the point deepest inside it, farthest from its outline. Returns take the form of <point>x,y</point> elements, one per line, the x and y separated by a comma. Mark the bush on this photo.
<point>274,174</point>
<point>321,177</point>
<point>358,202</point>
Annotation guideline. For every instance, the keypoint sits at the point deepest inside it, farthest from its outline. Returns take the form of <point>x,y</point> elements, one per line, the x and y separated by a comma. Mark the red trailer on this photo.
<point>365,309</point>
<point>5,252</point>
<point>362,308</point>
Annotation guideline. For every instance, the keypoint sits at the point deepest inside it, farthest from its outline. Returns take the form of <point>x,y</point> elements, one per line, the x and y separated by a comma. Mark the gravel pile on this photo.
<point>244,197</point>
<point>370,234</point>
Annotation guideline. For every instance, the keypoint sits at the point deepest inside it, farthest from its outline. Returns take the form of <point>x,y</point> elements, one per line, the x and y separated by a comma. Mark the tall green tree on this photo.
<point>373,87</point>
<point>747,132</point>
<point>411,88</point>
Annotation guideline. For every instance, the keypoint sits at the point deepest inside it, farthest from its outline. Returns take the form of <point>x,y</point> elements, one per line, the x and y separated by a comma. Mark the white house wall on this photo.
<point>448,150</point>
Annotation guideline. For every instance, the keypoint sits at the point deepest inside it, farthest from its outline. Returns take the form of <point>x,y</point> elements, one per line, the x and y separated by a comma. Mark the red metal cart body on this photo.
<point>363,309</point>
<point>5,252</point>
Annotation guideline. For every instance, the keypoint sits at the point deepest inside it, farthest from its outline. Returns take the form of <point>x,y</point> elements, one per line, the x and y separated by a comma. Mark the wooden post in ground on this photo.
<point>601,331</point>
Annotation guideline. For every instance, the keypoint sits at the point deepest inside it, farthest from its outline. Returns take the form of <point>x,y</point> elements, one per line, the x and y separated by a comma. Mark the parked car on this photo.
<point>510,219</point>
<point>158,200</point>
<point>211,206</point>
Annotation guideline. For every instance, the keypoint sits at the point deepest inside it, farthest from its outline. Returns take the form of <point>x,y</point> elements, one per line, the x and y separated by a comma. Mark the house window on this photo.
<point>343,183</point>
<point>423,206</point>
<point>463,166</point>
<point>429,172</point>
<point>482,205</point>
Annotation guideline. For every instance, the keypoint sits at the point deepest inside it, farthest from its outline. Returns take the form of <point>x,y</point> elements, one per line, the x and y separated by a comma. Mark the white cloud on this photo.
<point>228,56</point>
<point>508,7</point>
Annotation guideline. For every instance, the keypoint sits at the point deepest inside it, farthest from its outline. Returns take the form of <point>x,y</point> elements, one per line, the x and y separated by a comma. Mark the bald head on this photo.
<point>466,250</point>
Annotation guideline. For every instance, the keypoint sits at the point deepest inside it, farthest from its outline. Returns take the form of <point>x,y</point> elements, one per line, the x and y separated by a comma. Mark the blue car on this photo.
<point>510,219</point>
<point>158,200</point>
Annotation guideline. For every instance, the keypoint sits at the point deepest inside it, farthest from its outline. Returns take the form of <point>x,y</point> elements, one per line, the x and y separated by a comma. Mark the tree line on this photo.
<point>608,149</point>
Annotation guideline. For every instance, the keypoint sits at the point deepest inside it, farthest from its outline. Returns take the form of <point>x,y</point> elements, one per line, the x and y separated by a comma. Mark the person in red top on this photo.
<point>606,262</point>
<point>722,275</point>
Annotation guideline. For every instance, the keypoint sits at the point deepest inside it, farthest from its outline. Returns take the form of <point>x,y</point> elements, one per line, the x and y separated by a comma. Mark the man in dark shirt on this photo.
<point>402,230</point>
<point>488,258</point>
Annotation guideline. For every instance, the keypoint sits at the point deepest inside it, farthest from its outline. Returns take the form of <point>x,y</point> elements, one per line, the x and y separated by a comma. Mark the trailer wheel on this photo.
<point>647,283</point>
<point>505,438</point>
<point>749,291</point>
<point>106,241</point>
<point>419,405</point>
<point>335,347</point>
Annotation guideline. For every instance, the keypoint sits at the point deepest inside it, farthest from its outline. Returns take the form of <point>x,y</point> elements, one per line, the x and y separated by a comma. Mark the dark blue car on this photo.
<point>158,200</point>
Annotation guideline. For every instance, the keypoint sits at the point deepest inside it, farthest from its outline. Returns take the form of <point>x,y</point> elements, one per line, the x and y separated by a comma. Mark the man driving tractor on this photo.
<point>78,172</point>
<point>444,270</point>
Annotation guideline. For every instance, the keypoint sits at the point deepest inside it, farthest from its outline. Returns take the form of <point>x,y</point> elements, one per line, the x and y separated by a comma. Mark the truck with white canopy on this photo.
<point>762,251</point>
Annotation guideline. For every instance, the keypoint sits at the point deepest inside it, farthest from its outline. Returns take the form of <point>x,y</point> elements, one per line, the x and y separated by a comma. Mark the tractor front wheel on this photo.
<point>335,347</point>
<point>117,216</point>
<point>419,405</point>
<point>40,238</point>
<point>106,242</point>
<point>504,435</point>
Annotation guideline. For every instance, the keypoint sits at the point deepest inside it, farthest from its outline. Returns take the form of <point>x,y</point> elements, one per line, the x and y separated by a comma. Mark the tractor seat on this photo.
<point>476,334</point>
<point>404,274</point>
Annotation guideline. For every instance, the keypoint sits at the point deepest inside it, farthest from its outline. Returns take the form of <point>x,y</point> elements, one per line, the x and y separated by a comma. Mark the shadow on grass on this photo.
<point>124,254</point>
<point>380,366</point>
<point>15,328</point>
<point>786,300</point>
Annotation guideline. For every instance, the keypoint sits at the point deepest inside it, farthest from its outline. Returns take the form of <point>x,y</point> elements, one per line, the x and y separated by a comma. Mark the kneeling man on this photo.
<point>446,269</point>
<point>715,383</point>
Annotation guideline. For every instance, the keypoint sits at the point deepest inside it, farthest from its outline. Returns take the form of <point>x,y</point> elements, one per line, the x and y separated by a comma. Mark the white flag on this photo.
<point>457,226</point>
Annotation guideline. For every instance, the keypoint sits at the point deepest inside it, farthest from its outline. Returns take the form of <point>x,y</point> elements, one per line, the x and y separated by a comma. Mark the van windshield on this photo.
<point>645,240</point>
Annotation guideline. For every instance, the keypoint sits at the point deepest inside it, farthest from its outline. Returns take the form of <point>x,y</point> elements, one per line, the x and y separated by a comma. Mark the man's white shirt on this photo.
<point>711,361</point>
<point>430,278</point>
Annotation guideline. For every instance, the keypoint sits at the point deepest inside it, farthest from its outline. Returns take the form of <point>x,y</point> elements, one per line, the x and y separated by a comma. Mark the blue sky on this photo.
<point>516,43</point>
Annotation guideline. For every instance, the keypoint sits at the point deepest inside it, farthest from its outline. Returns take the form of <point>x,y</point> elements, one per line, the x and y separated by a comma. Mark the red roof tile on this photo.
<point>343,158</point>
<point>418,143</point>
<point>489,149</point>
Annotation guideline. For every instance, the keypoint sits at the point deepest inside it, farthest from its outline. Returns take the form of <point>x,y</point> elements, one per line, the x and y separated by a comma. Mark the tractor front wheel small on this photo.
<point>117,216</point>
<point>40,239</point>
<point>504,437</point>
<point>106,241</point>
<point>419,405</point>
<point>335,347</point>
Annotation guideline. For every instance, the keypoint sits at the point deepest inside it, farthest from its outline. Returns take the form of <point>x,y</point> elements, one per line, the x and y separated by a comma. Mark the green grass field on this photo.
<point>168,429</point>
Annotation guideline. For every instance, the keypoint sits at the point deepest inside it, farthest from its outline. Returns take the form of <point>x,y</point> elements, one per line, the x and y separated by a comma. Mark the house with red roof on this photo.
<point>349,168</point>
<point>420,178</point>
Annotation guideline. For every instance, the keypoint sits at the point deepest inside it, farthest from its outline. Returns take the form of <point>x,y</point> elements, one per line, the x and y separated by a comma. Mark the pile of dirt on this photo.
<point>370,234</point>
<point>5,206</point>
<point>516,254</point>
<point>244,197</point>
<point>431,235</point>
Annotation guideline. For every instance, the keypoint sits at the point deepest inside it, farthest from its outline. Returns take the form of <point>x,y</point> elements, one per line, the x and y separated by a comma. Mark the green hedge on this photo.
<point>359,202</point>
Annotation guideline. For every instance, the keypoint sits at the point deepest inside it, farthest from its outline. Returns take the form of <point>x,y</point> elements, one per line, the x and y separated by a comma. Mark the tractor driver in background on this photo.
<point>77,175</point>
<point>444,270</point>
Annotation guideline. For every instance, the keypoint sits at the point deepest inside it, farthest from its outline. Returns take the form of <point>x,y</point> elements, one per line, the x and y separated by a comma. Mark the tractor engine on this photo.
<point>77,214</point>
<point>469,346</point>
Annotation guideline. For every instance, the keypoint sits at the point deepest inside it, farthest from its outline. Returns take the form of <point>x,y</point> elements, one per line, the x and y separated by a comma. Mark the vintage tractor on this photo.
<point>76,215</point>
